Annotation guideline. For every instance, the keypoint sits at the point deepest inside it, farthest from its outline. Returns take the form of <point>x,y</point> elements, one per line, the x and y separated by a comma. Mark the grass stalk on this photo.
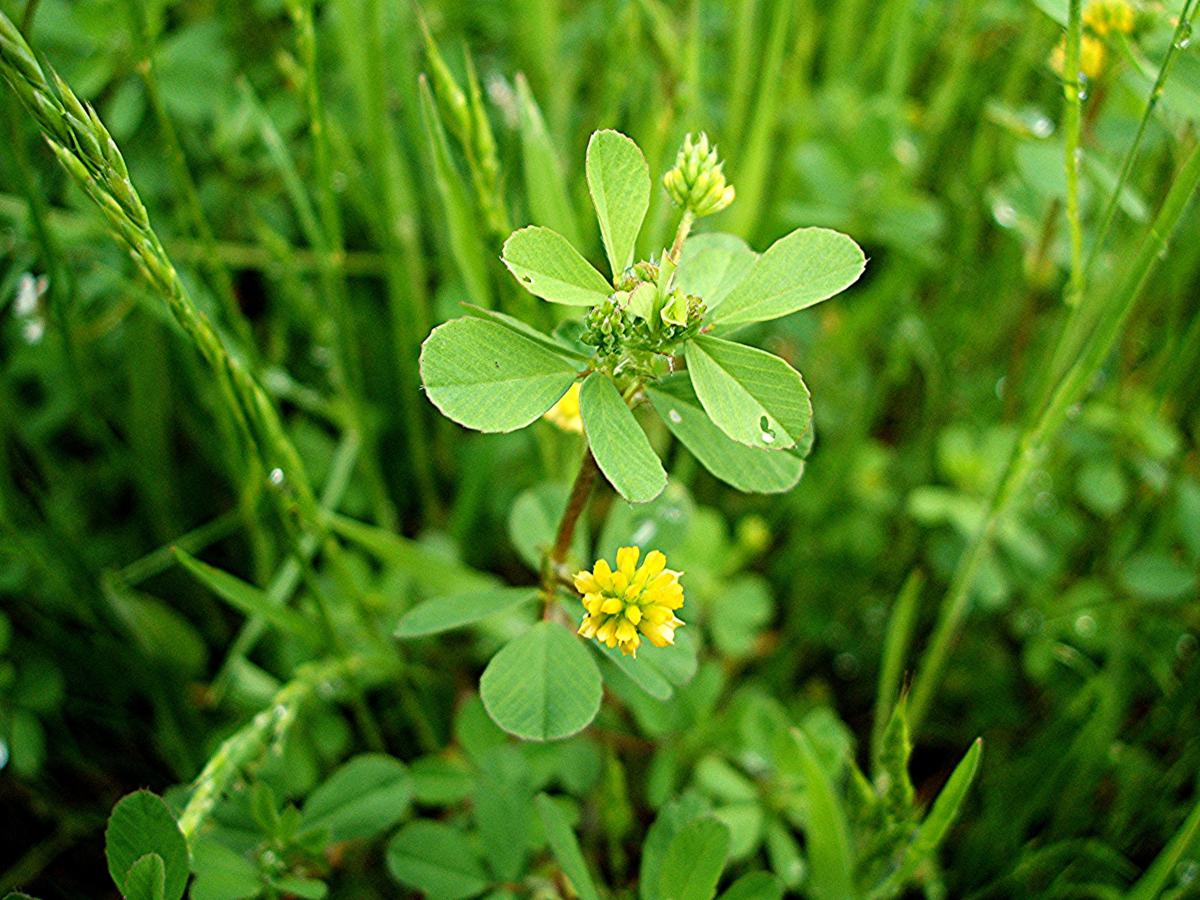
<point>403,272</point>
<point>1032,443</point>
<point>332,275</point>
<point>185,184</point>
<point>1081,317</point>
<point>1074,89</point>
<point>268,729</point>
<point>90,156</point>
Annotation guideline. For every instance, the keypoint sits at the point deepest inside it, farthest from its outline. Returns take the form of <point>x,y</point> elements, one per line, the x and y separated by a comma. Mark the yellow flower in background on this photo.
<point>1091,56</point>
<point>1106,17</point>
<point>631,602</point>
<point>565,413</point>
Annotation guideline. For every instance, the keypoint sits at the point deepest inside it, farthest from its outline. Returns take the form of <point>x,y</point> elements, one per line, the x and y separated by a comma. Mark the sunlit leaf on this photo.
<point>753,396</point>
<point>547,266</point>
<point>746,468</point>
<point>621,448</point>
<point>805,267</point>
<point>619,181</point>
<point>487,377</point>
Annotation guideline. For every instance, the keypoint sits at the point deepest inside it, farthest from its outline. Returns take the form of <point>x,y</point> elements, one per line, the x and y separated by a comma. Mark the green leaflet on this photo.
<point>446,613</point>
<point>553,344</point>
<point>745,468</point>
<point>147,879</point>
<point>142,826</point>
<point>619,181</point>
<point>805,267</point>
<point>566,848</point>
<point>543,685</point>
<point>364,797</point>
<point>712,265</point>
<point>547,266</point>
<point>830,854</point>
<point>753,396</point>
<point>621,448</point>
<point>545,186</point>
<point>486,376</point>
<point>694,861</point>
<point>436,859</point>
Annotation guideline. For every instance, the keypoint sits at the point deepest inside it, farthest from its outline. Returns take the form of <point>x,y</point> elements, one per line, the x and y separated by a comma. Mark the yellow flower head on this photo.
<point>1109,17</point>
<point>631,602</point>
<point>565,413</point>
<point>1091,57</point>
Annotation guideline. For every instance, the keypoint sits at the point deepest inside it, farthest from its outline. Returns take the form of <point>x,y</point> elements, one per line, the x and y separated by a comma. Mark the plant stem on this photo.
<point>1081,317</point>
<point>218,273</point>
<point>681,233</point>
<point>1073,88</point>
<point>1110,208</point>
<point>576,504</point>
<point>268,728</point>
<point>332,274</point>
<point>1030,447</point>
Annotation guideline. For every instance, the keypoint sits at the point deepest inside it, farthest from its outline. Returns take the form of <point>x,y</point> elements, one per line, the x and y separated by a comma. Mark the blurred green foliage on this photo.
<point>337,760</point>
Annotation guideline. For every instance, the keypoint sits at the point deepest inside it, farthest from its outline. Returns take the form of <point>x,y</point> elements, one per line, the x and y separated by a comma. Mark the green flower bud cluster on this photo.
<point>637,323</point>
<point>607,326</point>
<point>697,183</point>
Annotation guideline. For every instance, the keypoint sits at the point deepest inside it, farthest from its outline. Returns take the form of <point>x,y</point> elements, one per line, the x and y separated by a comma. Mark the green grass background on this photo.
<point>932,132</point>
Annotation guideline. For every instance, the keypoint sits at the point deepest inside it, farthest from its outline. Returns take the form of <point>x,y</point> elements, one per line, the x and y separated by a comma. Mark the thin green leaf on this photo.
<point>747,469</point>
<point>753,396</point>
<point>547,266</point>
<point>1155,880</point>
<point>619,181</point>
<point>897,638</point>
<point>826,833</point>
<point>543,685</point>
<point>462,221</point>
<point>945,809</point>
<point>621,448</point>
<point>566,848</point>
<point>545,186</point>
<point>488,377</point>
<point>446,613</point>
<point>248,599</point>
<point>805,267</point>
<point>434,572</point>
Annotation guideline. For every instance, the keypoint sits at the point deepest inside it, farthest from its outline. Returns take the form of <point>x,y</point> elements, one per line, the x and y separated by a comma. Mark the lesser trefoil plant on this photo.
<point>655,334</point>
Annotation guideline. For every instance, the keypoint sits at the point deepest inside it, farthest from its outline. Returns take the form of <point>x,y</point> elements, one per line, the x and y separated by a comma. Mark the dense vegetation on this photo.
<point>246,564</point>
